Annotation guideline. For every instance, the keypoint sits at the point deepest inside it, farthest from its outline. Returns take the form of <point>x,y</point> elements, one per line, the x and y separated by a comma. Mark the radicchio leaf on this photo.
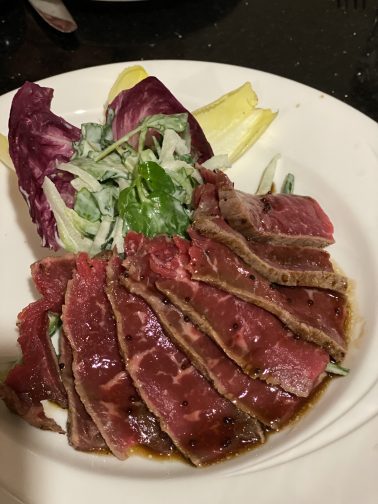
<point>38,141</point>
<point>150,97</point>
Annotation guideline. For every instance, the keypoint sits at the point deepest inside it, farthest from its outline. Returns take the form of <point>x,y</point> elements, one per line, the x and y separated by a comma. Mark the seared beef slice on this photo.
<point>282,264</point>
<point>255,339</point>
<point>271,405</point>
<point>277,218</point>
<point>36,377</point>
<point>317,315</point>
<point>82,432</point>
<point>204,426</point>
<point>104,386</point>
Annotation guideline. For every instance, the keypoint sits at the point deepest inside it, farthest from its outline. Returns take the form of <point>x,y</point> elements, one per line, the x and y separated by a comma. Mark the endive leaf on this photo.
<point>126,80</point>
<point>4,152</point>
<point>232,123</point>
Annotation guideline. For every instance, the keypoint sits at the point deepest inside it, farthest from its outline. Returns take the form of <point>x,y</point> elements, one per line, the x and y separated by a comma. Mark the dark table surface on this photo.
<point>331,45</point>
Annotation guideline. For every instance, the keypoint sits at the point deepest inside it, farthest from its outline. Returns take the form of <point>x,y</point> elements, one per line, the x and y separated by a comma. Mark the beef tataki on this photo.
<point>317,315</point>
<point>104,386</point>
<point>82,432</point>
<point>284,219</point>
<point>204,426</point>
<point>271,405</point>
<point>36,377</point>
<point>285,265</point>
<point>255,339</point>
<point>50,276</point>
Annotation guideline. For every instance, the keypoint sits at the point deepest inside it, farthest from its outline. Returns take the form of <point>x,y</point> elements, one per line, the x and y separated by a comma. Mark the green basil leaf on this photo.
<point>155,178</point>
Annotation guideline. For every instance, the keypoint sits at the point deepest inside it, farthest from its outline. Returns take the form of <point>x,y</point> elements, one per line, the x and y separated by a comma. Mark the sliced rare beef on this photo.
<point>82,432</point>
<point>271,405</point>
<point>50,276</point>
<point>104,387</point>
<point>23,406</point>
<point>255,339</point>
<point>36,377</point>
<point>284,219</point>
<point>315,314</point>
<point>285,265</point>
<point>205,427</point>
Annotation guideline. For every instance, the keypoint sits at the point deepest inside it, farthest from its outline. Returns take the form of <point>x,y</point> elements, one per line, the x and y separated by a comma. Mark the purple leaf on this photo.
<point>38,140</point>
<point>150,97</point>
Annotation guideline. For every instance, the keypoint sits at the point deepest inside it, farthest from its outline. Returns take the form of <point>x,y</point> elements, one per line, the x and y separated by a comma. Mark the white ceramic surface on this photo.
<point>332,151</point>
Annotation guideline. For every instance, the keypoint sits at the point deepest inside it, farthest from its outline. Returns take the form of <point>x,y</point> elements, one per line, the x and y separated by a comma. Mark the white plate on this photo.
<point>332,151</point>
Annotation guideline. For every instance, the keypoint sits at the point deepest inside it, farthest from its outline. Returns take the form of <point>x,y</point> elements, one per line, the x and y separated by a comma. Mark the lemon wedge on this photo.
<point>4,152</point>
<point>232,123</point>
<point>126,80</point>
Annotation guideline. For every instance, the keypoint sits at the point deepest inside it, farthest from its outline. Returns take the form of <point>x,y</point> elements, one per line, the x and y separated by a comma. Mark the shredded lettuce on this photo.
<point>112,167</point>
<point>218,162</point>
<point>185,179</point>
<point>90,182</point>
<point>172,142</point>
<point>54,323</point>
<point>94,138</point>
<point>158,122</point>
<point>288,184</point>
<point>336,369</point>
<point>106,200</point>
<point>267,177</point>
<point>148,189</point>
<point>86,205</point>
<point>101,238</point>
<point>67,220</point>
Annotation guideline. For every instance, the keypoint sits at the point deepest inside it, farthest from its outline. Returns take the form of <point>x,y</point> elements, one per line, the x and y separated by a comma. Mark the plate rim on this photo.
<point>173,61</point>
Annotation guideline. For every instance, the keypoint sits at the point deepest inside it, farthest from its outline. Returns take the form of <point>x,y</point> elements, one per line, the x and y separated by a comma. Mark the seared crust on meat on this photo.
<point>210,227</point>
<point>306,331</point>
<point>283,219</point>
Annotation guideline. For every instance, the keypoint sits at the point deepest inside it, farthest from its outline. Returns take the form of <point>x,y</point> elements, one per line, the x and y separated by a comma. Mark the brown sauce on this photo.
<point>142,451</point>
<point>310,403</point>
<point>350,323</point>
<point>176,456</point>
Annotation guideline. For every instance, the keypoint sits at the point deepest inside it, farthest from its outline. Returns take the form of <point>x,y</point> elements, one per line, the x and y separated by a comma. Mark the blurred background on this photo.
<point>331,45</point>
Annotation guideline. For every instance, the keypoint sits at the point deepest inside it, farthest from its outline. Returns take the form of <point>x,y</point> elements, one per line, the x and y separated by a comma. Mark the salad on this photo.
<point>86,188</point>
